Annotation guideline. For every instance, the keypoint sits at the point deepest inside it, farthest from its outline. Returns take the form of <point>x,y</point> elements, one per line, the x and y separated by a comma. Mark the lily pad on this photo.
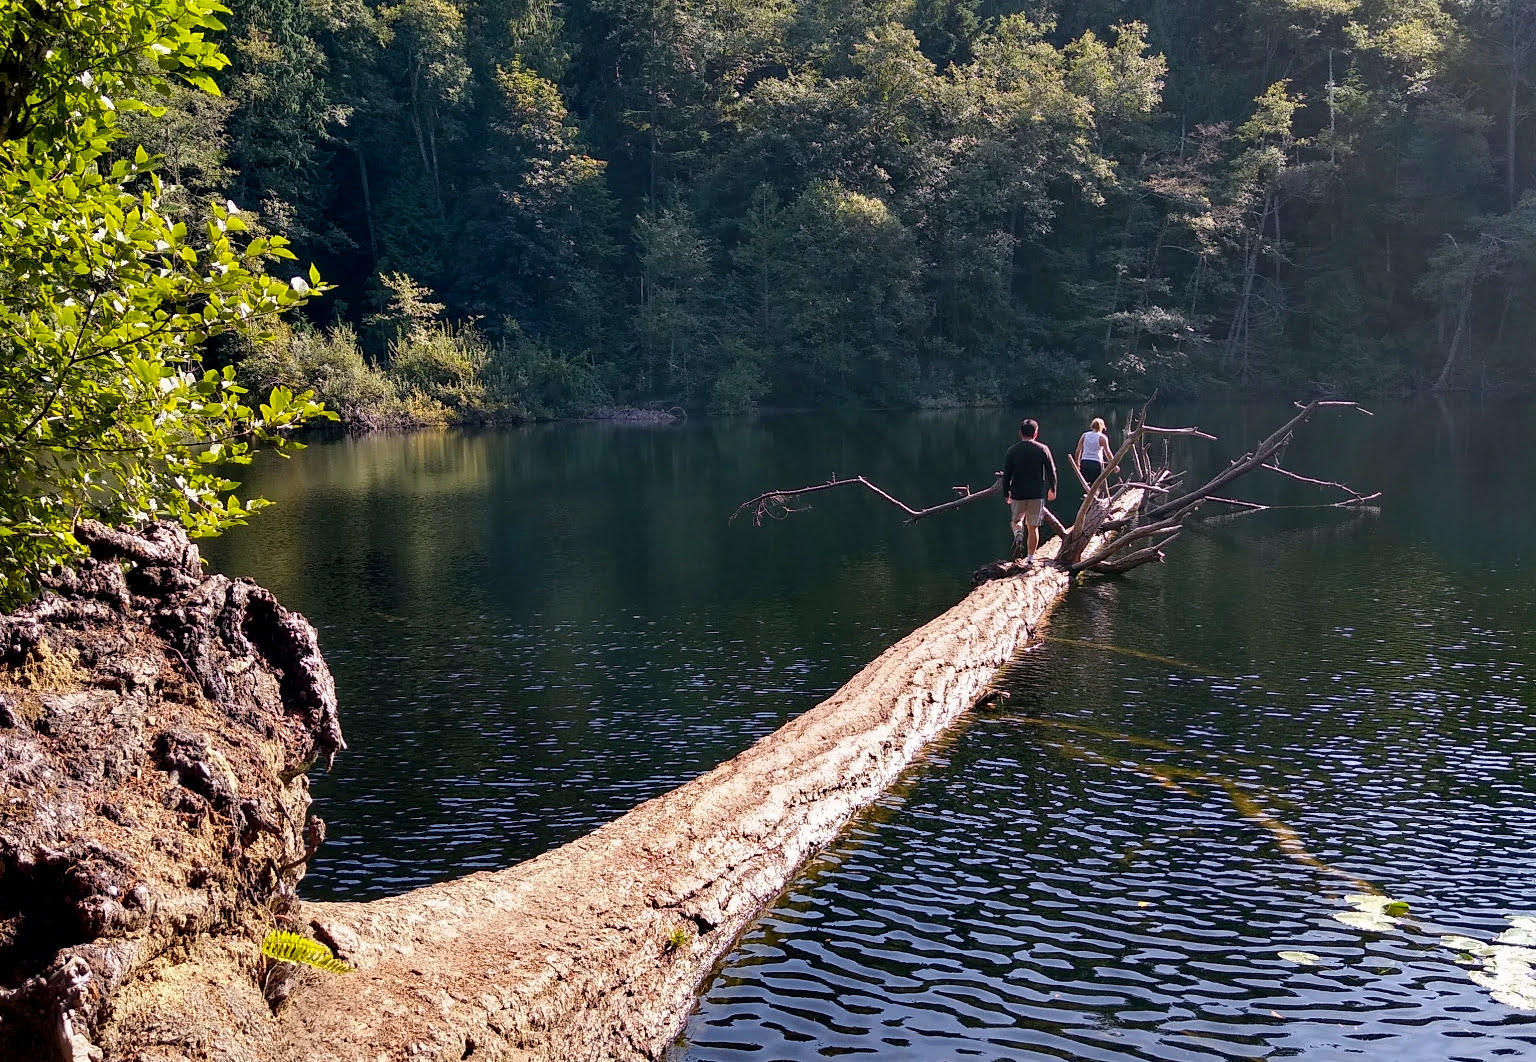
<point>1509,975</point>
<point>1301,958</point>
<point>1375,903</point>
<point>1367,920</point>
<point>1521,932</point>
<point>1372,912</point>
<point>1471,951</point>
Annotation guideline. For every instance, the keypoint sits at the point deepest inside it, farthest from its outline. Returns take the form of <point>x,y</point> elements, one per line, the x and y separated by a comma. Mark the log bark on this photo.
<point>592,951</point>
<point>567,956</point>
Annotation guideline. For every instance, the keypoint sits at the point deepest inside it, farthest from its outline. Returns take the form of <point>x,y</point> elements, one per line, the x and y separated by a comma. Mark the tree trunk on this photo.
<point>1114,299</point>
<point>1509,298</point>
<point>1514,102</point>
<point>1238,332</point>
<point>362,173</point>
<point>437,183</point>
<point>1463,314</point>
<point>1238,327</point>
<point>428,169</point>
<point>1133,344</point>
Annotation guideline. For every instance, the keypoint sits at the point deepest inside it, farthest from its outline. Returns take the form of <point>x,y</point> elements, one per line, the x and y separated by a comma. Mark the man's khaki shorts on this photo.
<point>1031,509</point>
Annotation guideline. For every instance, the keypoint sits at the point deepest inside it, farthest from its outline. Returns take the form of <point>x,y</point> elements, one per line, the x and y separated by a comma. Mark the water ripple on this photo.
<point>1112,868</point>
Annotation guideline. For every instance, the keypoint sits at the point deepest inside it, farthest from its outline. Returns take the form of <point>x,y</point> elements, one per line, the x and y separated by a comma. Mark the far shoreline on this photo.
<point>659,415</point>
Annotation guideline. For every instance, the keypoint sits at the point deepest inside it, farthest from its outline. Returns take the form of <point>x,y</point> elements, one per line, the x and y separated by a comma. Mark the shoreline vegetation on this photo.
<point>434,373</point>
<point>437,374</point>
<point>478,385</point>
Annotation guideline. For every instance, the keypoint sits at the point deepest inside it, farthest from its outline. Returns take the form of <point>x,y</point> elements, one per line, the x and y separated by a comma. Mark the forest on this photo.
<point>531,209</point>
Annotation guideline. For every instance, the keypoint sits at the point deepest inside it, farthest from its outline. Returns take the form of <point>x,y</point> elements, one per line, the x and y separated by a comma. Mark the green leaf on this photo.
<point>290,947</point>
<point>206,83</point>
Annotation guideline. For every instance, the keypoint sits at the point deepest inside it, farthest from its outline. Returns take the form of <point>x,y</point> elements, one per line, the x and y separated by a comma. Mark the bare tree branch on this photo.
<point>964,499</point>
<point>774,504</point>
<point>1137,558</point>
<point>1346,488</point>
<point>1120,543</point>
<point>1122,539</point>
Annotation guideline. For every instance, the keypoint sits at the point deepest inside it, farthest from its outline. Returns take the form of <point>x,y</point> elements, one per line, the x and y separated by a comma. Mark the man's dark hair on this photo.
<point>1029,428</point>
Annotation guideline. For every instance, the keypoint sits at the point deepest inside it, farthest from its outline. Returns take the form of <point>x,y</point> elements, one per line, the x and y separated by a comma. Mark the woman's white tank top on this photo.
<point>1093,447</point>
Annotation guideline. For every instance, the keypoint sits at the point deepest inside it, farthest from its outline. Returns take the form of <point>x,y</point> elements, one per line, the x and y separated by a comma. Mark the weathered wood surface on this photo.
<point>566,956</point>
<point>592,951</point>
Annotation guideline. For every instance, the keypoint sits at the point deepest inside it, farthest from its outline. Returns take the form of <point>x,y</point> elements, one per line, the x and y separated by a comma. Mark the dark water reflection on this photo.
<point>533,631</point>
<point>1107,868</point>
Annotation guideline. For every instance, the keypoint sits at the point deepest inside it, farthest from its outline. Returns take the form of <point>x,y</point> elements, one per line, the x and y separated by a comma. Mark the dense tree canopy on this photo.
<point>723,203</point>
<point>106,299</point>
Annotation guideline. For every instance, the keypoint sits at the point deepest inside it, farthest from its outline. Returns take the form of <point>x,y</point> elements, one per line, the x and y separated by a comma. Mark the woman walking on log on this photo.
<point>1092,449</point>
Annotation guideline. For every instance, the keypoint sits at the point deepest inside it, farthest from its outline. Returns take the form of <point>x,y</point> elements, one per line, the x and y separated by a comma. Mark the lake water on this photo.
<point>532,631</point>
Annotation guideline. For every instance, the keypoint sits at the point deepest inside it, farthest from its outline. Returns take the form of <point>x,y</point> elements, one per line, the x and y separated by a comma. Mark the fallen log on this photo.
<point>596,949</point>
<point>592,951</point>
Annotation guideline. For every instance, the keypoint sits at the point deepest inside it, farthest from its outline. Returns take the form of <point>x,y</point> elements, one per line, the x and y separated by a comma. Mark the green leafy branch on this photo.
<point>290,947</point>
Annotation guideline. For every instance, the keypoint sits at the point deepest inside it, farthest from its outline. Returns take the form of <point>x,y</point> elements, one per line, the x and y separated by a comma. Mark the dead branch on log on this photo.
<point>1137,558</point>
<point>1355,496</point>
<point>964,499</point>
<point>1121,542</point>
<point>774,504</point>
<point>1172,513</point>
<point>1243,465</point>
<point>1244,508</point>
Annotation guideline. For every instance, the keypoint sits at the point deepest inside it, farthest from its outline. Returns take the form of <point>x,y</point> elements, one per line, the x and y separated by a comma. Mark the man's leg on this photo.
<point>1016,525</point>
<point>1032,516</point>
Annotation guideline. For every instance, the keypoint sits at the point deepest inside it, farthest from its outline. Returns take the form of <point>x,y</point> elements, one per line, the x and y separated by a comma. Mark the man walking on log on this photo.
<point>1029,481</point>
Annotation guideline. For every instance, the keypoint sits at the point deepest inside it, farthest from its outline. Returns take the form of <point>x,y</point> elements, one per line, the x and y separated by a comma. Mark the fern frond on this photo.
<point>290,947</point>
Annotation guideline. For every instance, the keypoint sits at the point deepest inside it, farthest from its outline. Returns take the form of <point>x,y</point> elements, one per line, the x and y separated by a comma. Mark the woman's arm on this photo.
<point>1078,453</point>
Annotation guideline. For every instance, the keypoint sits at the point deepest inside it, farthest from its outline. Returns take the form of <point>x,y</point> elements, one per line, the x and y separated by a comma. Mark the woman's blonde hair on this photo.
<point>1097,424</point>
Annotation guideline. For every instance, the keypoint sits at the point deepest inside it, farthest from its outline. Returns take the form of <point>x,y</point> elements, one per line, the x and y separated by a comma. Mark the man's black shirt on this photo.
<point>1029,471</point>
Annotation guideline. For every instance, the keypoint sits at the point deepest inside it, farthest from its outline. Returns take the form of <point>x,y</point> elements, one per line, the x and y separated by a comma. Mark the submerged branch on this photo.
<point>1355,496</point>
